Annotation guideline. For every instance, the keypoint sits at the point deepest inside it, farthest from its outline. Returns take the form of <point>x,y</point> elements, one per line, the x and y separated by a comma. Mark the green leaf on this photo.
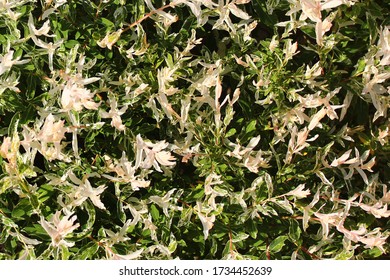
<point>65,254</point>
<point>231,132</point>
<point>252,228</point>
<point>120,14</point>
<point>88,225</point>
<point>121,212</point>
<point>228,248</point>
<point>239,237</point>
<point>360,66</point>
<point>7,221</point>
<point>144,128</point>
<point>197,194</point>
<point>251,126</point>
<point>23,208</point>
<point>277,244</point>
<point>44,193</point>
<point>106,22</point>
<point>214,247</point>
<point>373,253</point>
<point>70,44</point>
<point>169,61</point>
<point>263,11</point>
<point>284,204</point>
<point>4,234</point>
<point>13,126</point>
<point>29,67</point>
<point>185,216</point>
<point>345,255</point>
<point>154,212</point>
<point>372,26</point>
<point>270,186</point>
<point>294,231</point>
<point>88,251</point>
<point>172,246</point>
<point>36,230</point>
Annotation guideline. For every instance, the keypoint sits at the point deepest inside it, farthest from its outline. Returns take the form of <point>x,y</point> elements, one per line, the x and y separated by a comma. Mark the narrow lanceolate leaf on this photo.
<point>294,231</point>
<point>270,186</point>
<point>238,12</point>
<point>251,126</point>
<point>88,251</point>
<point>277,244</point>
<point>284,204</point>
<point>239,237</point>
<point>299,192</point>
<point>86,227</point>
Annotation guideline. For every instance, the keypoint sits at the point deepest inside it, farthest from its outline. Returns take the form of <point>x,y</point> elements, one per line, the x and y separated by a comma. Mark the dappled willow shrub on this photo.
<point>194,129</point>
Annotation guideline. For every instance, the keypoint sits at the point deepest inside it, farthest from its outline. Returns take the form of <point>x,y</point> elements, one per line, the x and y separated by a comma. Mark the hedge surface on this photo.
<point>194,129</point>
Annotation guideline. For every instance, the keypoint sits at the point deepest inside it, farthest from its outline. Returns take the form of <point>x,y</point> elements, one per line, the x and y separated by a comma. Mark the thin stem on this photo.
<point>148,15</point>
<point>314,257</point>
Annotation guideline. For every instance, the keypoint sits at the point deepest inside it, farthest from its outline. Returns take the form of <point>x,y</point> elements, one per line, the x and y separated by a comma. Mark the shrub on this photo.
<point>194,129</point>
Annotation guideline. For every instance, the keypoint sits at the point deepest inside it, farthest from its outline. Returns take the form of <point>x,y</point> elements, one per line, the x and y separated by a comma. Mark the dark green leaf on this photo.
<point>277,244</point>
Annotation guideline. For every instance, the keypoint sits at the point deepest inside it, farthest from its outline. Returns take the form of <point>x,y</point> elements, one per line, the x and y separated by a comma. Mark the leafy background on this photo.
<point>194,129</point>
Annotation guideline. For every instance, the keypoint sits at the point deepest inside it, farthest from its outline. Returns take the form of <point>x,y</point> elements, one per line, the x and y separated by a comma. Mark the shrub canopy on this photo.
<point>194,129</point>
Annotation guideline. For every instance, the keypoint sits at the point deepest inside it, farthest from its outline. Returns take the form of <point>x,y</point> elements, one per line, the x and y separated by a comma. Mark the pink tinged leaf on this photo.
<point>312,9</point>
<point>253,143</point>
<point>302,136</point>
<point>207,223</point>
<point>48,227</point>
<point>74,179</point>
<point>66,97</point>
<point>329,4</point>
<point>236,95</point>
<point>44,30</point>
<point>323,178</point>
<point>315,120</point>
<point>131,256</point>
<point>91,105</point>
<point>316,198</point>
<point>117,123</point>
<point>367,166</point>
<point>374,241</point>
<point>326,26</point>
<point>375,210</point>
<point>299,192</point>
<point>94,194</point>
<point>165,158</point>
<point>195,8</point>
<point>325,220</point>
<point>341,159</point>
<point>58,229</point>
<point>89,80</point>
<point>240,2</point>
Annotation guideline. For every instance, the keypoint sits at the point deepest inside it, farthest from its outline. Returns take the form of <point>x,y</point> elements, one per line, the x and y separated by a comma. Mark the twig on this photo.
<point>148,15</point>
<point>267,252</point>
<point>310,254</point>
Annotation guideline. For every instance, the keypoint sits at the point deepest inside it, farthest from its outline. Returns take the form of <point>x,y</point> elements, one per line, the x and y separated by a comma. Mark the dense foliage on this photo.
<point>194,129</point>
